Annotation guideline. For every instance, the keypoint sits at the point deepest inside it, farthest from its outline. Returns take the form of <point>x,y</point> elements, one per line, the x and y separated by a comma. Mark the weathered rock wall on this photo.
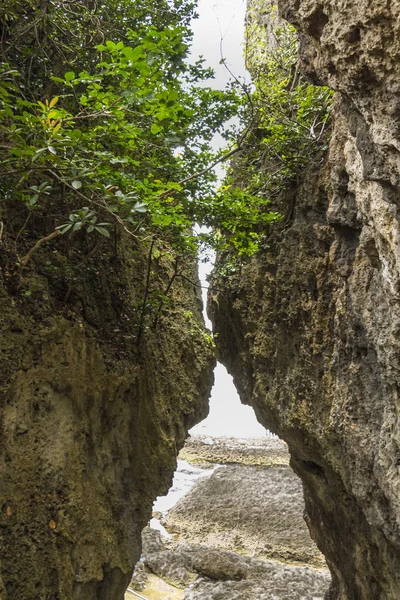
<point>310,330</point>
<point>91,423</point>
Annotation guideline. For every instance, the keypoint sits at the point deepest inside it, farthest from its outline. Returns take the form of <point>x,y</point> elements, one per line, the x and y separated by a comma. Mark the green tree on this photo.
<point>105,123</point>
<point>50,37</point>
<point>123,136</point>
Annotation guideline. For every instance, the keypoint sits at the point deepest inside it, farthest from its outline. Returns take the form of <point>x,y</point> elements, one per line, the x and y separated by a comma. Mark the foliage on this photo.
<point>199,332</point>
<point>81,218</point>
<point>291,115</point>
<point>125,139</point>
<point>105,122</point>
<point>52,37</point>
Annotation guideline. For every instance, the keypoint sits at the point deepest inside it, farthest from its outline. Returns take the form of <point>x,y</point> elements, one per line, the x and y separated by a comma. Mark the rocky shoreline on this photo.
<point>202,450</point>
<point>238,534</point>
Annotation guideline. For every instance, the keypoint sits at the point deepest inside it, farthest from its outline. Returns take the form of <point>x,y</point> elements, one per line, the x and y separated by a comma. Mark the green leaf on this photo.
<point>137,52</point>
<point>64,228</point>
<point>38,153</point>
<point>33,199</point>
<point>53,114</point>
<point>119,160</point>
<point>69,76</point>
<point>102,230</point>
<point>140,207</point>
<point>155,128</point>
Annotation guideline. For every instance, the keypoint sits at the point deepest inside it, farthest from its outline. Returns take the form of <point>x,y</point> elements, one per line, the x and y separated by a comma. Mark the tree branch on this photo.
<point>203,172</point>
<point>36,247</point>
<point>240,141</point>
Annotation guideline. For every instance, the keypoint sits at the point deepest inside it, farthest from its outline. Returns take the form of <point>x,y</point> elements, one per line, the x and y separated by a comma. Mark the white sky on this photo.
<point>220,19</point>
<point>223,18</point>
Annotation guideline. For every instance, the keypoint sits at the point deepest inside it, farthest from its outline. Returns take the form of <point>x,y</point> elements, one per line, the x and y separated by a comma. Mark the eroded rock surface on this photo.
<point>202,449</point>
<point>227,575</point>
<point>310,329</point>
<point>221,542</point>
<point>257,511</point>
<point>280,584</point>
<point>91,420</point>
<point>215,574</point>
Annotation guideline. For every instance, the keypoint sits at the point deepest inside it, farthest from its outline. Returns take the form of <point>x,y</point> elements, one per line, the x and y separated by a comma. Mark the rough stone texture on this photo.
<point>139,578</point>
<point>157,589</point>
<point>257,511</point>
<point>202,450</point>
<point>91,423</point>
<point>168,564</point>
<point>238,507</point>
<point>310,329</point>
<point>279,583</point>
<point>224,575</point>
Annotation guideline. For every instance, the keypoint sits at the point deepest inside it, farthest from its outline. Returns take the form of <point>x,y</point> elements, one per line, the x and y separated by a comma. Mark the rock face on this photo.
<point>256,511</point>
<point>277,583</point>
<point>220,574</point>
<point>310,329</point>
<point>91,421</point>
<point>238,533</point>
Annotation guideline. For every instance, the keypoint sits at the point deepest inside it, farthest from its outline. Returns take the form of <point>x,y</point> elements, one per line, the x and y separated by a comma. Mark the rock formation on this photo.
<point>256,511</point>
<point>91,420</point>
<point>218,574</point>
<point>237,533</point>
<point>310,329</point>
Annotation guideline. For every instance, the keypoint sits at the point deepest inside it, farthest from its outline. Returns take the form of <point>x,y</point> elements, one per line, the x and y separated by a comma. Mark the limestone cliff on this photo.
<point>91,420</point>
<point>310,329</point>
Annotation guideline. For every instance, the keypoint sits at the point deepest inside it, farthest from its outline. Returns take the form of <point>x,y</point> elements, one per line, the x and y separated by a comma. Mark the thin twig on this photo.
<point>39,243</point>
<point>94,115</point>
<point>203,172</point>
<point>22,229</point>
<point>1,231</point>
<point>198,285</point>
